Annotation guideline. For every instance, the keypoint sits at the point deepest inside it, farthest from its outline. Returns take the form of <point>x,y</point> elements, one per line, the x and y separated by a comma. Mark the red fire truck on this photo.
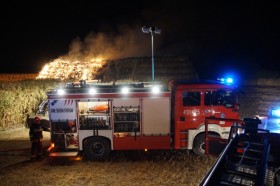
<point>95,119</point>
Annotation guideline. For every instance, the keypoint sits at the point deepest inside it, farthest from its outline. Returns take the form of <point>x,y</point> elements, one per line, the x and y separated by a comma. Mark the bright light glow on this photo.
<point>78,158</point>
<point>125,90</point>
<point>155,89</point>
<point>229,80</point>
<point>146,150</point>
<point>60,92</point>
<point>51,147</point>
<point>275,113</point>
<point>92,91</point>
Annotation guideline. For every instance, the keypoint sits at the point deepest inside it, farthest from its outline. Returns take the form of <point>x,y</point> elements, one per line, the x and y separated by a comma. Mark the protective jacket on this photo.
<point>36,132</point>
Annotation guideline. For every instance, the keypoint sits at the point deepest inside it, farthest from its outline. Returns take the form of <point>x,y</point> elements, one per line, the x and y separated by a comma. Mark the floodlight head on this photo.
<point>151,30</point>
<point>154,29</point>
<point>157,30</point>
<point>145,29</point>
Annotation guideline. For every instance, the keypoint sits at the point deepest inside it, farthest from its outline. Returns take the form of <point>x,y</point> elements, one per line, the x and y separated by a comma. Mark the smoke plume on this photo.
<point>129,42</point>
<point>86,56</point>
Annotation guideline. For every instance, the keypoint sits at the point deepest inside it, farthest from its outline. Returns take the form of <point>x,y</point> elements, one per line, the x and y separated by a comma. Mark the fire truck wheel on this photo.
<point>199,145</point>
<point>96,148</point>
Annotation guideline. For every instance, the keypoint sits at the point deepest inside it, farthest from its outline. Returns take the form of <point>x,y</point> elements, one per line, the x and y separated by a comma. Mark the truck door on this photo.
<point>190,112</point>
<point>188,115</point>
<point>63,120</point>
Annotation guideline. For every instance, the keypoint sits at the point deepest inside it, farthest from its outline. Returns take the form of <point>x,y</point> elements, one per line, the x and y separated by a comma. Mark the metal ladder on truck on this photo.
<point>244,159</point>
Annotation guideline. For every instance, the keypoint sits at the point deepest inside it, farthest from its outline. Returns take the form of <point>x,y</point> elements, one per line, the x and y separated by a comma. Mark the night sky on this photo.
<point>242,37</point>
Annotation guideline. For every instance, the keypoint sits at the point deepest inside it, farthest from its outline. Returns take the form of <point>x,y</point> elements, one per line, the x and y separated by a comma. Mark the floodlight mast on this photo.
<point>152,30</point>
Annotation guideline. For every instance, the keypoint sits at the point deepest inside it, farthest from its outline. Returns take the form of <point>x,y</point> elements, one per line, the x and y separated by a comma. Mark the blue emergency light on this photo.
<point>275,113</point>
<point>228,80</point>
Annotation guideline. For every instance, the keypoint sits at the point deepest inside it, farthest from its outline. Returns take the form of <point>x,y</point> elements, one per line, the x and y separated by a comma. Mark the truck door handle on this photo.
<point>182,118</point>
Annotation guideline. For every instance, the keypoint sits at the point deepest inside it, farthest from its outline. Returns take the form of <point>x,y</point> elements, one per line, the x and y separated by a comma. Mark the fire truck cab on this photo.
<point>97,118</point>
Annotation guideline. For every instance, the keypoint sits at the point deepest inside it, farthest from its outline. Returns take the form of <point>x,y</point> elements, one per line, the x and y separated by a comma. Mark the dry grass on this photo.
<point>122,168</point>
<point>15,146</point>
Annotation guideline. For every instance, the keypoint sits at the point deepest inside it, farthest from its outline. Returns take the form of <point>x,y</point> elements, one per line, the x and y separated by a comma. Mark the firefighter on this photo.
<point>36,138</point>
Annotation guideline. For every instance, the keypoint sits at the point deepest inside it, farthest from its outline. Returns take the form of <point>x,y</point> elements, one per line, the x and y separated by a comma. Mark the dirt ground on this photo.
<point>122,168</point>
<point>15,146</point>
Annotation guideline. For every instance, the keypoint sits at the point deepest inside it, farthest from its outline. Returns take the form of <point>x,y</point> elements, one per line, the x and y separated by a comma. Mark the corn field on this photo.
<point>20,97</point>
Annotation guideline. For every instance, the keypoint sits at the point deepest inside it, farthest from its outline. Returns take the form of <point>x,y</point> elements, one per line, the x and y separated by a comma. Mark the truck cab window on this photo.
<point>191,98</point>
<point>220,97</point>
<point>43,107</point>
<point>207,98</point>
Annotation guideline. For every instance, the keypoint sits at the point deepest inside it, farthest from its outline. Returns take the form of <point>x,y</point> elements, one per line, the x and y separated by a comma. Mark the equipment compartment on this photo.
<point>94,115</point>
<point>126,119</point>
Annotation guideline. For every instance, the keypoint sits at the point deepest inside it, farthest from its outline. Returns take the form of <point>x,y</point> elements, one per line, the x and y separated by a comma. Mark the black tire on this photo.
<point>199,145</point>
<point>96,148</point>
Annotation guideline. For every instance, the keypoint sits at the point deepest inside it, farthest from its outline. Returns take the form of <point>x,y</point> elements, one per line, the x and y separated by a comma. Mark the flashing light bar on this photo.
<point>154,88</point>
<point>228,80</point>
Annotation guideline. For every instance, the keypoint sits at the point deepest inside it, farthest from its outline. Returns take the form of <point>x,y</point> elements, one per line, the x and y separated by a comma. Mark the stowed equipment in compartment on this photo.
<point>94,115</point>
<point>64,135</point>
<point>126,119</point>
<point>91,121</point>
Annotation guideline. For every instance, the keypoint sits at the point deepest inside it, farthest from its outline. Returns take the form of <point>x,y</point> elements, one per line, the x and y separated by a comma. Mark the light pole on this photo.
<point>152,30</point>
